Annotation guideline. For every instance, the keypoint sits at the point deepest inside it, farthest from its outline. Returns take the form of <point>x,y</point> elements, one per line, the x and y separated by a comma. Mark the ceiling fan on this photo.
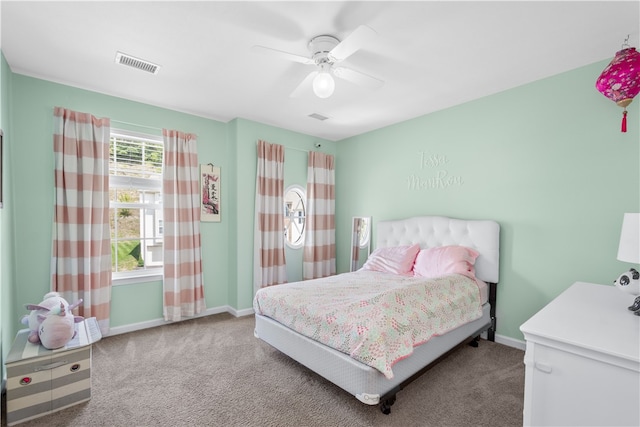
<point>327,51</point>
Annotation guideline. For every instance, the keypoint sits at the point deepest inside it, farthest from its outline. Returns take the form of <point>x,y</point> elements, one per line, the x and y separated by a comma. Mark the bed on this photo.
<point>351,368</point>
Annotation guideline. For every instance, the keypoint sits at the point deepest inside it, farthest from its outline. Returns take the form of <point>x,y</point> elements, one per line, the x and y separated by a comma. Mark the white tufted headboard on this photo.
<point>432,231</point>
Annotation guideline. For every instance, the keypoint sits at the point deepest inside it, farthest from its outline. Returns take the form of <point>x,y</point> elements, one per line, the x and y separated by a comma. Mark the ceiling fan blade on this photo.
<point>354,41</point>
<point>305,86</point>
<point>357,77</point>
<point>281,54</point>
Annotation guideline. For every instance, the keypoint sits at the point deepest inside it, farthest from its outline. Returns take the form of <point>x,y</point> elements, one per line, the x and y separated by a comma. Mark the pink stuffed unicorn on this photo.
<point>51,322</point>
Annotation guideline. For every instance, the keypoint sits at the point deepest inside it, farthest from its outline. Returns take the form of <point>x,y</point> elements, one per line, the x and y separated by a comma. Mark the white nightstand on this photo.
<point>582,361</point>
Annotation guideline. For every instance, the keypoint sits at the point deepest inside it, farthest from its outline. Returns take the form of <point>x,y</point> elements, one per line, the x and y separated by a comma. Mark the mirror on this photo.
<point>360,241</point>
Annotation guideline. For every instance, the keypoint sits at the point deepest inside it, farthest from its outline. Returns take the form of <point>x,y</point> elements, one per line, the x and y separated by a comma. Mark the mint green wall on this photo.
<point>247,135</point>
<point>32,104</point>
<point>546,160</point>
<point>7,290</point>
<point>230,215</point>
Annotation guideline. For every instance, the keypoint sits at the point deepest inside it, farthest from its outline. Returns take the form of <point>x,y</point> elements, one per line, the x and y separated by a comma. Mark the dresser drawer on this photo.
<point>582,361</point>
<point>43,385</point>
<point>564,388</point>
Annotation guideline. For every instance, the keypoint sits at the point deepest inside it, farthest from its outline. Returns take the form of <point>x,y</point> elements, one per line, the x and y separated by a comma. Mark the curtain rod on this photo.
<point>317,145</point>
<point>135,124</point>
<point>297,149</point>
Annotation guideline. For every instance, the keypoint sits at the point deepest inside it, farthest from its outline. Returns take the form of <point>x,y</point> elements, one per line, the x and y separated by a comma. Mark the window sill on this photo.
<point>130,280</point>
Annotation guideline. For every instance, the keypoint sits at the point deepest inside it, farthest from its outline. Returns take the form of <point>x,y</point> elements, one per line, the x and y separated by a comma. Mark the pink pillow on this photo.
<point>442,260</point>
<point>396,259</point>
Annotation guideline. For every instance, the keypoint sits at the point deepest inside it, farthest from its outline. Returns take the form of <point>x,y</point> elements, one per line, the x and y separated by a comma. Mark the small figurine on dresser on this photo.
<point>635,307</point>
<point>629,282</point>
<point>629,251</point>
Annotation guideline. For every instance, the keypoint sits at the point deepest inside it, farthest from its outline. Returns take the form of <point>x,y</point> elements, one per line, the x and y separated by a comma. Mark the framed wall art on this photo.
<point>210,192</point>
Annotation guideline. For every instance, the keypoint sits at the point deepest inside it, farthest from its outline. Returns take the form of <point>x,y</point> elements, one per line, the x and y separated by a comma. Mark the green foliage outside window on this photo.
<point>135,168</point>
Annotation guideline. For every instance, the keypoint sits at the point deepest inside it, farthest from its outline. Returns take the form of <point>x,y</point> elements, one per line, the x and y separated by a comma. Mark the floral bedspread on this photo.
<point>376,318</point>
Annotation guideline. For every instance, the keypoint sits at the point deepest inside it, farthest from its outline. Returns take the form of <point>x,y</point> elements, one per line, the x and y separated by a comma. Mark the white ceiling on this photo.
<point>431,55</point>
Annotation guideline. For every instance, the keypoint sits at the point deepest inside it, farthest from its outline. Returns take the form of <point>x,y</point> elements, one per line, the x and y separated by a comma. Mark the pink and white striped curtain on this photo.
<point>319,258</point>
<point>268,260</point>
<point>183,288</point>
<point>81,253</point>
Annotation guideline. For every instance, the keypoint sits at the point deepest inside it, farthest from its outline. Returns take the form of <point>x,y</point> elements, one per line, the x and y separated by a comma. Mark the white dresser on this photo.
<point>582,361</point>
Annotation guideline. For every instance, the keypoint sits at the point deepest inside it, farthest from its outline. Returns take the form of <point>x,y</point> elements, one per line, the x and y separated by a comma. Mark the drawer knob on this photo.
<point>25,381</point>
<point>74,367</point>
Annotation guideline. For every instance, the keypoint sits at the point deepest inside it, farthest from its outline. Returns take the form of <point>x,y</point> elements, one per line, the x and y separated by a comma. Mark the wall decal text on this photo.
<point>440,179</point>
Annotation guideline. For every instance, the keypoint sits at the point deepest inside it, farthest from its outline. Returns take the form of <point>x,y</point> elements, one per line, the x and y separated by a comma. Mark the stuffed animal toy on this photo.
<point>629,281</point>
<point>51,300</point>
<point>57,327</point>
<point>52,304</point>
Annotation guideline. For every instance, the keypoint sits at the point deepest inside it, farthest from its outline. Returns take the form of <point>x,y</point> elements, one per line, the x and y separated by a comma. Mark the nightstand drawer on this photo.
<point>564,388</point>
<point>582,364</point>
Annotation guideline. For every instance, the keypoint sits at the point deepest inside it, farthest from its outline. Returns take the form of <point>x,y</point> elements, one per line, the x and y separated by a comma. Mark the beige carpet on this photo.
<point>211,371</point>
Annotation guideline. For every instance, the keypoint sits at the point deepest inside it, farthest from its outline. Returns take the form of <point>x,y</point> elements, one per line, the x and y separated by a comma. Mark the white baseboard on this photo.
<point>117,330</point>
<point>240,313</point>
<point>511,342</point>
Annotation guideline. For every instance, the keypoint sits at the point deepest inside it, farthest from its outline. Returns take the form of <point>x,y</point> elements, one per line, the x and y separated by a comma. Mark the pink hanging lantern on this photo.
<point>620,80</point>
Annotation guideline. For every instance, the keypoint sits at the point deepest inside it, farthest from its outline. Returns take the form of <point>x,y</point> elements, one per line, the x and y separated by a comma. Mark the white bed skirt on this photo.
<point>364,382</point>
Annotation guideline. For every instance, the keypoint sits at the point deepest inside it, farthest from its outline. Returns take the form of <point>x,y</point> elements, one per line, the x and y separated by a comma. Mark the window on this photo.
<point>295,199</point>
<point>135,204</point>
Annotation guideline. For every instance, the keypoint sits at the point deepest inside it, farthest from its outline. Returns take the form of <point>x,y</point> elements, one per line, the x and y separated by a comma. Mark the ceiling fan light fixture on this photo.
<point>323,84</point>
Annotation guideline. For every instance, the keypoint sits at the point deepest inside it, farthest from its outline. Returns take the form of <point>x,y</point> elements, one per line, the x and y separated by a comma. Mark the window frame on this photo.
<point>148,274</point>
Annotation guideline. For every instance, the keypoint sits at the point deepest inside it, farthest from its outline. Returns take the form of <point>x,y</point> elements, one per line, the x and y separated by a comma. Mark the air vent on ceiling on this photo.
<point>140,64</point>
<point>318,116</point>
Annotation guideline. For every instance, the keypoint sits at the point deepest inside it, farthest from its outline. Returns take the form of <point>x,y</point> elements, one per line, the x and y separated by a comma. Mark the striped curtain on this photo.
<point>183,288</point>
<point>81,252</point>
<point>319,258</point>
<point>268,261</point>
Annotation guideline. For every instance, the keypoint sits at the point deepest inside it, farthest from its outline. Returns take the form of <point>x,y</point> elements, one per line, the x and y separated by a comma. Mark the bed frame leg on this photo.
<point>385,405</point>
<point>474,342</point>
<point>491,333</point>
